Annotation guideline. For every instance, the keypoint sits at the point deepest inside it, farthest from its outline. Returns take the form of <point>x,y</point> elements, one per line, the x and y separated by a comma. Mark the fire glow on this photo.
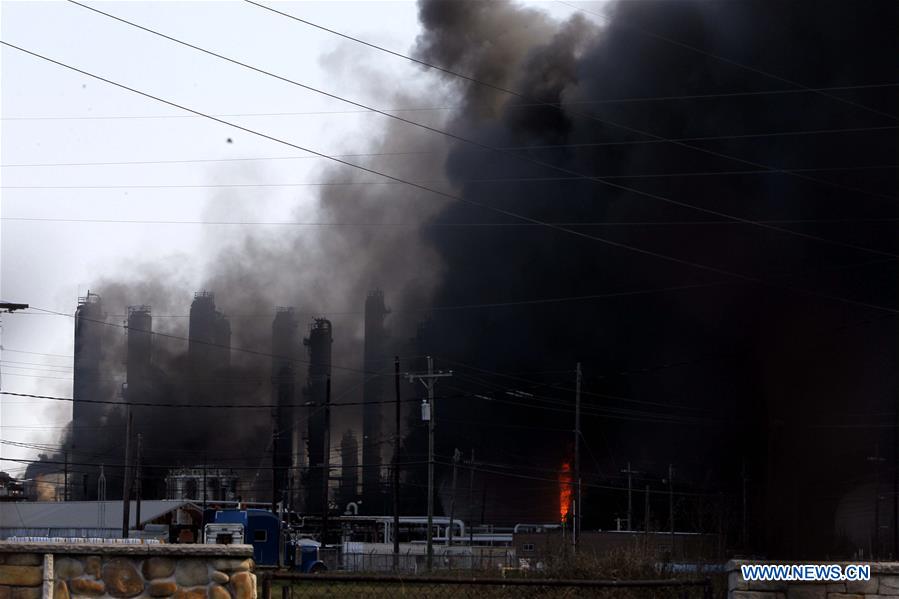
<point>565,491</point>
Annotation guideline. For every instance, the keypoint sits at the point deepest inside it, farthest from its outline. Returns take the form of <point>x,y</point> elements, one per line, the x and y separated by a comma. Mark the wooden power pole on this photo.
<point>126,491</point>
<point>396,468</point>
<point>428,413</point>
<point>576,521</point>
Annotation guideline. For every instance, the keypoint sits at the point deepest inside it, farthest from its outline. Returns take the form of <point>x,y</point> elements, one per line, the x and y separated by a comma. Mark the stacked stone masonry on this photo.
<point>884,584</point>
<point>86,571</point>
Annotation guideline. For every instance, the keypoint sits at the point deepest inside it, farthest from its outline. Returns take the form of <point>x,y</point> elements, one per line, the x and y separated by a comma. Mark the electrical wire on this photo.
<point>527,148</point>
<point>213,406</point>
<point>569,231</point>
<point>835,221</point>
<point>557,106</point>
<point>757,71</point>
<point>497,180</point>
<point>636,99</point>
<point>524,157</point>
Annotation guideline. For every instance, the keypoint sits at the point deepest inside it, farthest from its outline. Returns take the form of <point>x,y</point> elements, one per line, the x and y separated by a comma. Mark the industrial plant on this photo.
<point>593,292</point>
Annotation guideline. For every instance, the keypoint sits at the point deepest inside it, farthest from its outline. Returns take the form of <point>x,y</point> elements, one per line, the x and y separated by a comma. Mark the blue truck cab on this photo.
<point>259,528</point>
<point>262,530</point>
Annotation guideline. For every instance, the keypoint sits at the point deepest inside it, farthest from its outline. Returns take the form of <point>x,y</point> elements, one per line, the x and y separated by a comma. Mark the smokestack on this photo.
<point>90,330</point>
<point>139,349</point>
<point>375,360</point>
<point>210,334</point>
<point>285,354</point>
<point>319,345</point>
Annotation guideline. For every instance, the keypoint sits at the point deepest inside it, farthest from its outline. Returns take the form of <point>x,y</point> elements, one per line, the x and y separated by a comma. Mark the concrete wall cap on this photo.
<point>161,549</point>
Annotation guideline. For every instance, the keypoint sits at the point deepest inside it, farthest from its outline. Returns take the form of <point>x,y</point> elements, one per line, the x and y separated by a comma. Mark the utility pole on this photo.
<point>470,504</point>
<point>396,468</point>
<point>65,478</point>
<point>326,465</point>
<point>126,491</point>
<point>275,434</point>
<point>457,455</point>
<point>876,459</point>
<point>101,499</point>
<point>671,505</point>
<point>139,489</point>
<point>428,413</point>
<point>630,503</point>
<point>896,491</point>
<point>204,484</point>
<point>576,521</point>
<point>6,307</point>
<point>743,532</point>
<point>646,518</point>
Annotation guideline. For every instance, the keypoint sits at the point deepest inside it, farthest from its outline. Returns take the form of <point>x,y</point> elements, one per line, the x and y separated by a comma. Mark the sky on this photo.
<point>54,121</point>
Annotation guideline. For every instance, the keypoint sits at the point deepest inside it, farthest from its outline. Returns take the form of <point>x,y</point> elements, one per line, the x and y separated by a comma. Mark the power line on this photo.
<point>636,99</point>
<point>391,177</point>
<point>619,414</point>
<point>499,472</point>
<point>556,405</point>
<point>213,406</point>
<point>431,309</point>
<point>161,466</point>
<point>818,221</point>
<point>616,23</point>
<point>559,388</point>
<point>523,156</point>
<point>508,91</point>
<point>523,148</point>
<point>201,342</point>
<point>34,353</point>
<point>500,180</point>
<point>557,106</point>
<point>44,366</point>
<point>505,212</point>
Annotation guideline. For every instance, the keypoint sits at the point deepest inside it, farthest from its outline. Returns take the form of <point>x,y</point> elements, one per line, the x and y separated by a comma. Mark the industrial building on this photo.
<point>99,519</point>
<point>202,484</point>
<point>11,489</point>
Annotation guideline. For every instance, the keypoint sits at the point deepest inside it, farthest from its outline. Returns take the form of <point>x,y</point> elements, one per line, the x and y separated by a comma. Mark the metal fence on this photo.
<point>416,563</point>
<point>280,585</point>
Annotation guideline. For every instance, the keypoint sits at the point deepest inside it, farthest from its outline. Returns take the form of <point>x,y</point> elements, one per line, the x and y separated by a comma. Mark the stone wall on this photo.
<point>105,571</point>
<point>884,583</point>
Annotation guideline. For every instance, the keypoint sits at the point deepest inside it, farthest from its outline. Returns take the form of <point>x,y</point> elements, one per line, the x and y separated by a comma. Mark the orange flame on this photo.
<point>565,491</point>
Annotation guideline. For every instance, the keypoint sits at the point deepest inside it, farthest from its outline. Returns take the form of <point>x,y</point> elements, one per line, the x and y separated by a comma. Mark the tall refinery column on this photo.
<point>90,330</point>
<point>375,366</point>
<point>285,358</point>
<point>319,347</point>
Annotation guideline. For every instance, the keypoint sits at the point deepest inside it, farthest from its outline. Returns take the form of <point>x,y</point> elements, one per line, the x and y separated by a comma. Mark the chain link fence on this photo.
<point>416,562</point>
<point>278,585</point>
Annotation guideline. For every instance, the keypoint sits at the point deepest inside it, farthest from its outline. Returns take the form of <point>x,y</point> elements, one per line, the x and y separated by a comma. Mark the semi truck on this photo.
<point>274,546</point>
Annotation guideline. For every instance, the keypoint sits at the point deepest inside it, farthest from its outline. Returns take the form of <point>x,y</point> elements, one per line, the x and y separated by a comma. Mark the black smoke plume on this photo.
<point>715,378</point>
<point>735,381</point>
